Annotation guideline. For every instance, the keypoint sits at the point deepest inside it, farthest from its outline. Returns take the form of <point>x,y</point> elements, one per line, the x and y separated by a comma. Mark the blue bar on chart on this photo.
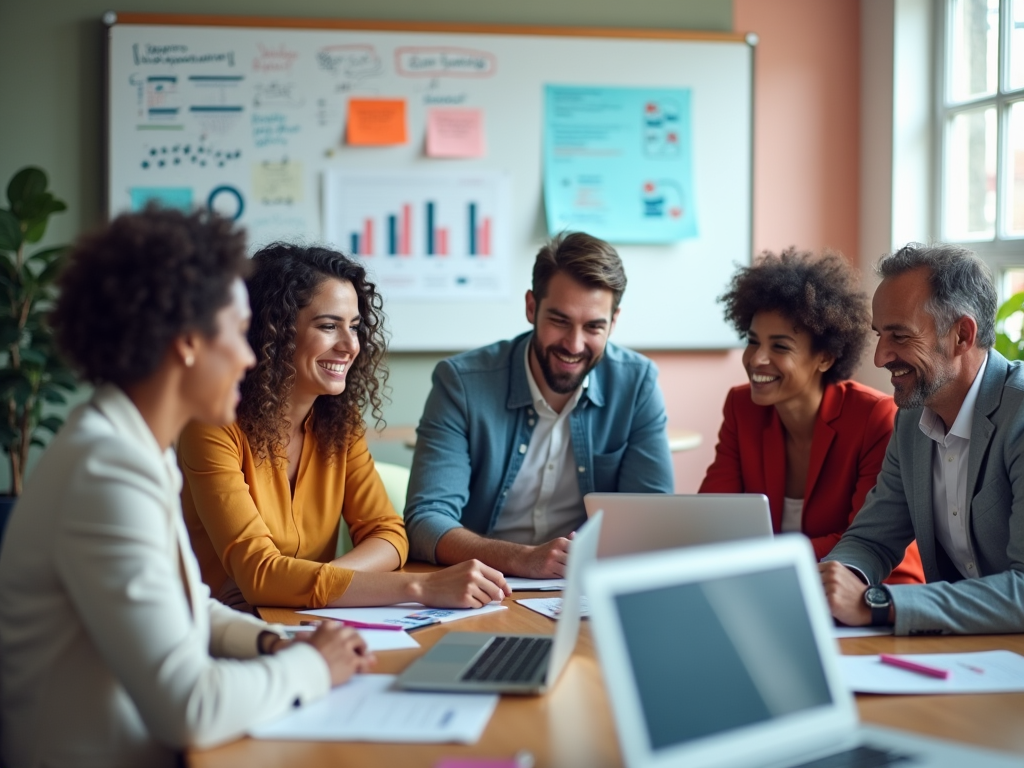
<point>430,229</point>
<point>355,244</point>
<point>472,229</point>
<point>392,235</point>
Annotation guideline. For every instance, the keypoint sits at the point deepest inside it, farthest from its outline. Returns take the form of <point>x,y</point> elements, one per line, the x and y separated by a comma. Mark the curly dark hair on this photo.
<point>130,288</point>
<point>820,295</point>
<point>285,278</point>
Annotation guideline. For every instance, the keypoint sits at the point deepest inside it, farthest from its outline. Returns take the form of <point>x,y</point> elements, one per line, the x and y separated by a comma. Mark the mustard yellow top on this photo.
<point>246,525</point>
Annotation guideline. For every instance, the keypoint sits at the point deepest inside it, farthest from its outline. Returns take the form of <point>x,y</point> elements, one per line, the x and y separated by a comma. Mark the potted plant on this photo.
<point>1010,328</point>
<point>32,374</point>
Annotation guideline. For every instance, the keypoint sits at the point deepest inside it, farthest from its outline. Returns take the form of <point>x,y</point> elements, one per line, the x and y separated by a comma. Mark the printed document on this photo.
<point>981,672</point>
<point>364,709</point>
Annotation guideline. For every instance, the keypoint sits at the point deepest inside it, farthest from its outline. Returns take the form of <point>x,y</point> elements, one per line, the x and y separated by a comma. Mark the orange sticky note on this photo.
<point>455,133</point>
<point>376,122</point>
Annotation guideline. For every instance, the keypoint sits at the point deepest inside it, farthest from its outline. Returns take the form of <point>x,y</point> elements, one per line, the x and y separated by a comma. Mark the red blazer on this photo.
<point>850,437</point>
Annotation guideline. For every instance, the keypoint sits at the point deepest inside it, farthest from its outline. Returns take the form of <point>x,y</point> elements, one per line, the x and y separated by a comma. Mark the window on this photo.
<point>981,125</point>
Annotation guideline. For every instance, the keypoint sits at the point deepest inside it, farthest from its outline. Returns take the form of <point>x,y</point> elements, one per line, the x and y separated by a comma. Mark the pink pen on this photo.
<point>362,624</point>
<point>913,666</point>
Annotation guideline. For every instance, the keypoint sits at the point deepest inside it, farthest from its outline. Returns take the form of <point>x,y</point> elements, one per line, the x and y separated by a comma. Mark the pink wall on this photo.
<point>806,170</point>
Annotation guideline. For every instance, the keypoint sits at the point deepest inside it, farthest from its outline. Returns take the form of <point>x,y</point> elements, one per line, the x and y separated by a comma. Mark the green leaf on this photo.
<point>29,355</point>
<point>10,231</point>
<point>27,183</point>
<point>52,423</point>
<point>35,230</point>
<point>53,396</point>
<point>50,272</point>
<point>47,255</point>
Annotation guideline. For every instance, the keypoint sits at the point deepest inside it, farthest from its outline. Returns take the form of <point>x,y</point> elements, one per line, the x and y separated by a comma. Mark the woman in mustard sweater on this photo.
<point>264,497</point>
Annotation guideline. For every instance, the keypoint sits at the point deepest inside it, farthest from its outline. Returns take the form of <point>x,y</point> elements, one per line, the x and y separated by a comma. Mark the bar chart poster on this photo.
<point>424,236</point>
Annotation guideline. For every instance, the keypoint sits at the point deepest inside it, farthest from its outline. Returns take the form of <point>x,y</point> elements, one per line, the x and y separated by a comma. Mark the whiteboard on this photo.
<point>250,119</point>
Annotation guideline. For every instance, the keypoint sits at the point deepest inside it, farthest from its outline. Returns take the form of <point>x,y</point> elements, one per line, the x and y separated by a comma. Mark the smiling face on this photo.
<point>219,362</point>
<point>326,340</point>
<point>780,361</point>
<point>571,325</point>
<point>909,345</point>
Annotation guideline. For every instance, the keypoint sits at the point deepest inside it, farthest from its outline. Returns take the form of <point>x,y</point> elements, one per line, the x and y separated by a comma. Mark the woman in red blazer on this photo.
<point>799,431</point>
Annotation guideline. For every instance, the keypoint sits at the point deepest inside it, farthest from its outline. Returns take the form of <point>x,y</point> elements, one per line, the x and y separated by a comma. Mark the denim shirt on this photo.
<point>478,421</point>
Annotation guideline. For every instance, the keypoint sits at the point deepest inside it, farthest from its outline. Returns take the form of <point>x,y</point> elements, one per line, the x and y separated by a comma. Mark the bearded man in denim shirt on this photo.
<point>514,434</point>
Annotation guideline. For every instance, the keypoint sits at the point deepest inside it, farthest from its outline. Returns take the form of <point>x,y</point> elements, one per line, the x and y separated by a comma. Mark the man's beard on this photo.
<point>562,383</point>
<point>924,387</point>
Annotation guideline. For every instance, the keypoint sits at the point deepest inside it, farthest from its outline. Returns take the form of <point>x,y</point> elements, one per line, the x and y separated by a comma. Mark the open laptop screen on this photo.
<point>721,654</point>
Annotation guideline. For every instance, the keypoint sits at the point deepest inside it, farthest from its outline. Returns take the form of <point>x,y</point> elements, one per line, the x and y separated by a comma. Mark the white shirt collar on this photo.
<point>538,397</point>
<point>934,427</point>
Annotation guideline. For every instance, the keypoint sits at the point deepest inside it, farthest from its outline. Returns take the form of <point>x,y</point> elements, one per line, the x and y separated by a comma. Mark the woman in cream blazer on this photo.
<point>112,652</point>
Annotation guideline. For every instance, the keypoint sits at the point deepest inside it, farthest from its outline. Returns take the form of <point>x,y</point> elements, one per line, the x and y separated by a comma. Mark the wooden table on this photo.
<point>572,726</point>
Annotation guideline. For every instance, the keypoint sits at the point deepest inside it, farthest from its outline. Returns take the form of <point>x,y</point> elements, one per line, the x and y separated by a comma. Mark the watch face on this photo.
<point>876,597</point>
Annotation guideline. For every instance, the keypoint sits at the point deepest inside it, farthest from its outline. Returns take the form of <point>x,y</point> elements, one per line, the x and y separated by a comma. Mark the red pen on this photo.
<point>913,666</point>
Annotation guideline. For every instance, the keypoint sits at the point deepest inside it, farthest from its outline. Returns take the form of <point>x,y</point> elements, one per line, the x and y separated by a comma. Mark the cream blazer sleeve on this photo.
<point>121,557</point>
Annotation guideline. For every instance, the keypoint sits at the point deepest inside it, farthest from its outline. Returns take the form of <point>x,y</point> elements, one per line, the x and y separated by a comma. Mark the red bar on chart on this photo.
<point>366,248</point>
<point>442,242</point>
<point>405,249</point>
<point>485,237</point>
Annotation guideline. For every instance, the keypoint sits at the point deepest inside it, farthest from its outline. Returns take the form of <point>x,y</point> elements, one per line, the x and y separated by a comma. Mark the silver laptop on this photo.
<point>478,661</point>
<point>647,522</point>
<point>723,656</point>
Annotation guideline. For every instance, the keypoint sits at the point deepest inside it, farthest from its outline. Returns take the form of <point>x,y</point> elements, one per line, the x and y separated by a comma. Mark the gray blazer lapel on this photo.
<point>923,512</point>
<point>989,396</point>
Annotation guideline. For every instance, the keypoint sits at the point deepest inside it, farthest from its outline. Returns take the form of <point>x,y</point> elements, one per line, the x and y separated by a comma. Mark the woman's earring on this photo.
<point>189,361</point>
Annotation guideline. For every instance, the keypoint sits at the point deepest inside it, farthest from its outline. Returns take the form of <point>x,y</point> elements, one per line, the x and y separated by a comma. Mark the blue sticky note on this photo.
<point>168,197</point>
<point>618,163</point>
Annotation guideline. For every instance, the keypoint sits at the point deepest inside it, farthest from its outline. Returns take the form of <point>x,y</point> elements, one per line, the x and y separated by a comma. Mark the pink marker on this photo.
<point>913,666</point>
<point>361,624</point>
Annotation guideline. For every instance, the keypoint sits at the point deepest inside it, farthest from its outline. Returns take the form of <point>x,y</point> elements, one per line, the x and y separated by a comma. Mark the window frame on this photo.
<point>1003,250</point>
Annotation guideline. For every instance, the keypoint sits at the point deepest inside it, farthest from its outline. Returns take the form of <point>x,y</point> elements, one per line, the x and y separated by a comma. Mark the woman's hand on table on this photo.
<point>343,648</point>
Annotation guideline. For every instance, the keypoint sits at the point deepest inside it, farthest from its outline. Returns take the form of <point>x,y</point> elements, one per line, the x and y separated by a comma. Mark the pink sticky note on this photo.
<point>455,132</point>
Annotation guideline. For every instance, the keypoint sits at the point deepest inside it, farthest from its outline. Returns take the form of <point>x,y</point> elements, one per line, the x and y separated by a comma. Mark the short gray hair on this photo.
<point>961,285</point>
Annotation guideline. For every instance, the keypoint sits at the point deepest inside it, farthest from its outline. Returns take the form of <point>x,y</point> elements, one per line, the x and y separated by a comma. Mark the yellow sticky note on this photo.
<point>277,183</point>
<point>376,122</point>
<point>455,133</point>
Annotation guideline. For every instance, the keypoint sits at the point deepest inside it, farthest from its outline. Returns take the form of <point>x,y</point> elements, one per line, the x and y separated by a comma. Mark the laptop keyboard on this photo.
<point>510,660</point>
<point>859,757</point>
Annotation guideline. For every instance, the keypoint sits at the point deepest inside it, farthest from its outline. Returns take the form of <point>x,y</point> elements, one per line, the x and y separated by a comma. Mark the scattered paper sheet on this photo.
<point>982,672</point>
<point>403,614</point>
<point>840,631</point>
<point>364,709</point>
<point>376,122</point>
<point>455,132</point>
<point>376,639</point>
<point>552,606</point>
<point>520,584</point>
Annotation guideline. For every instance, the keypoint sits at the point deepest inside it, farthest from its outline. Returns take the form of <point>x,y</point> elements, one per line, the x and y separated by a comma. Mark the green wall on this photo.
<point>51,69</point>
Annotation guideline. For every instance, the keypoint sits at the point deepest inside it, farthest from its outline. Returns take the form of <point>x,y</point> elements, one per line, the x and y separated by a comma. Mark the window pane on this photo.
<point>1015,171</point>
<point>974,48</point>
<point>1013,283</point>
<point>1016,71</point>
<point>970,184</point>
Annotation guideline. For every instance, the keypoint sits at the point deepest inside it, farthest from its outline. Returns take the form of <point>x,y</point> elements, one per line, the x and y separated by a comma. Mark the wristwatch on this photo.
<point>878,599</point>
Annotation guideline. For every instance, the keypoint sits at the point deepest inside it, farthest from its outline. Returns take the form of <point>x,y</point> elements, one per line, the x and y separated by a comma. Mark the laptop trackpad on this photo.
<point>452,653</point>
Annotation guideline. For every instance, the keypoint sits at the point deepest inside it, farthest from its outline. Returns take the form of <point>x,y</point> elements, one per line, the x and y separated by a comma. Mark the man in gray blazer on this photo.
<point>953,475</point>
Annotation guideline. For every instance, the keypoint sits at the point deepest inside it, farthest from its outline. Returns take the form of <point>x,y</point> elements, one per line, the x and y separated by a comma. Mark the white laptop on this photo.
<point>478,661</point>
<point>723,657</point>
<point>647,522</point>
